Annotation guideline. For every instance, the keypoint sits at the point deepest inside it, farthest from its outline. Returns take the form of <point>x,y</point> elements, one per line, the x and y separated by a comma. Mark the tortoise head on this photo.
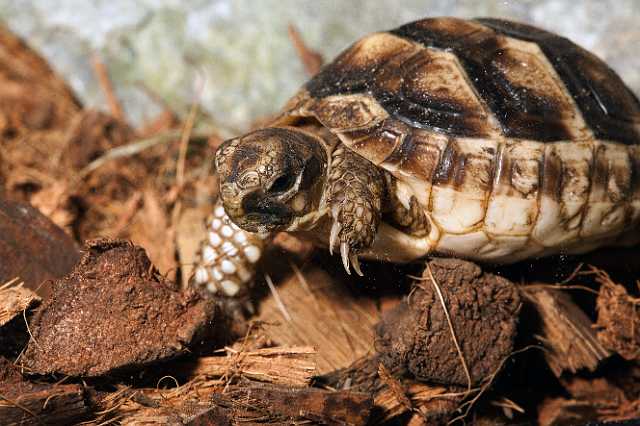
<point>270,178</point>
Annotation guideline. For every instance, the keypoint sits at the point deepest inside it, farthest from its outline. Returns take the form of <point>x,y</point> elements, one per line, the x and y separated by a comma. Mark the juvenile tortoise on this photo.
<point>482,139</point>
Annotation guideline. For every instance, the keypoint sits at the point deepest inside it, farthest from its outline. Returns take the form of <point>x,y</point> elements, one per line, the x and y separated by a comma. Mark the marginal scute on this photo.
<point>462,183</point>
<point>523,172</point>
<point>607,211</point>
<point>348,112</point>
<point>513,203</point>
<point>576,169</point>
<point>417,156</point>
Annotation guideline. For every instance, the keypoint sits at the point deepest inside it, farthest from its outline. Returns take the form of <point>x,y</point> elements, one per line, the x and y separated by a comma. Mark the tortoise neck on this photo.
<point>325,143</point>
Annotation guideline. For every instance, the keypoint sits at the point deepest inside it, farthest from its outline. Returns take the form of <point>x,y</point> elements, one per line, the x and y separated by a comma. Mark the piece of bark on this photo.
<point>394,395</point>
<point>26,403</point>
<point>318,312</point>
<point>483,309</point>
<point>433,403</point>
<point>113,312</point>
<point>311,59</point>
<point>565,331</point>
<point>294,366</point>
<point>283,405</point>
<point>618,324</point>
<point>59,404</point>
<point>565,412</point>
<point>151,228</point>
<point>14,299</point>
<point>610,398</point>
<point>264,405</point>
<point>32,247</point>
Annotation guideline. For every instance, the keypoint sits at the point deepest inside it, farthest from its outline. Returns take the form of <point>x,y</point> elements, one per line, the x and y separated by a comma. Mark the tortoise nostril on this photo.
<point>282,184</point>
<point>252,202</point>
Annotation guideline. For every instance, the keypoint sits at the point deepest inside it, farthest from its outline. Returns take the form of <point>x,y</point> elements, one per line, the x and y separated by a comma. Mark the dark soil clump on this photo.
<point>113,312</point>
<point>618,320</point>
<point>483,309</point>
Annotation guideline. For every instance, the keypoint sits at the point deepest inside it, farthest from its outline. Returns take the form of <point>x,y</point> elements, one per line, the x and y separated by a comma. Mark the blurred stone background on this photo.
<point>235,57</point>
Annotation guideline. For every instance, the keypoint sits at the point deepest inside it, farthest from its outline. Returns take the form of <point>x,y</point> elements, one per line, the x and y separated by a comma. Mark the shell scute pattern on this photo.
<point>501,142</point>
<point>515,141</point>
<point>609,107</point>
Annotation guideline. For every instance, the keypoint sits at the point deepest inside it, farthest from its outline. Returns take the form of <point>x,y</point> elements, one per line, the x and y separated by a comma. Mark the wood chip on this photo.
<point>311,59</point>
<point>58,404</point>
<point>430,401</point>
<point>566,331</point>
<point>293,366</point>
<point>264,405</point>
<point>14,299</point>
<point>395,387</point>
<point>330,318</point>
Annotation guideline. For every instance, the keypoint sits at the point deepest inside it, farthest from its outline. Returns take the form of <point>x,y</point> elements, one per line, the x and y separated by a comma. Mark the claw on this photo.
<point>344,251</point>
<point>333,238</point>
<point>355,262</point>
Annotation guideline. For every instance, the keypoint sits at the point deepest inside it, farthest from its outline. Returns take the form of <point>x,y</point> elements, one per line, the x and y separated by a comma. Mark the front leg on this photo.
<point>226,262</point>
<point>356,188</point>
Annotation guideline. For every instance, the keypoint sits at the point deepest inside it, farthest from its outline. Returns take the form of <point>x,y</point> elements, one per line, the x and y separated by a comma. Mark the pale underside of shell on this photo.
<point>516,142</point>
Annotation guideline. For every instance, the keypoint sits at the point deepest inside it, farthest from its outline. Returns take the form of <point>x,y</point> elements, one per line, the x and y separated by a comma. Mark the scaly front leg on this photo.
<point>356,188</point>
<point>227,260</point>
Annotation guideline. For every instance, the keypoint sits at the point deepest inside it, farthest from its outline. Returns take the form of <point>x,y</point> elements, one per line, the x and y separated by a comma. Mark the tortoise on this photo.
<point>483,139</point>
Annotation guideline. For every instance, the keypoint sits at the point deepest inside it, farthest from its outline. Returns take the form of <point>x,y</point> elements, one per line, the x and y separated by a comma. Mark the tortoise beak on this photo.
<point>261,212</point>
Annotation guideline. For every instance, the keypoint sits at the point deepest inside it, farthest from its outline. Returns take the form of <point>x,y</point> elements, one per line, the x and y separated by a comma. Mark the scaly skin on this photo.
<point>227,259</point>
<point>411,220</point>
<point>355,191</point>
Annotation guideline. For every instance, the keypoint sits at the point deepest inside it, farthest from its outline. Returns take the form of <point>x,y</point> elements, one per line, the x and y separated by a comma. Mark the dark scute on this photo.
<point>609,107</point>
<point>342,77</point>
<point>441,33</point>
<point>516,29</point>
<point>421,110</point>
<point>522,112</point>
<point>600,174</point>
<point>552,173</point>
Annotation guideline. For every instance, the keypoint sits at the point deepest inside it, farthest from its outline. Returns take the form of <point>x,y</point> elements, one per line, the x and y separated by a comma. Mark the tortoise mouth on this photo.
<point>266,221</point>
<point>260,220</point>
<point>264,213</point>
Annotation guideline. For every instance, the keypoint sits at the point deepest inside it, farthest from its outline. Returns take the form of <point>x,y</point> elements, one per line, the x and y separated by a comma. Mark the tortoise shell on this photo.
<point>516,141</point>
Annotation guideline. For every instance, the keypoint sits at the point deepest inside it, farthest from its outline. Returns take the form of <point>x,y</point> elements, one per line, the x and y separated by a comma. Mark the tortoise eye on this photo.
<point>282,184</point>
